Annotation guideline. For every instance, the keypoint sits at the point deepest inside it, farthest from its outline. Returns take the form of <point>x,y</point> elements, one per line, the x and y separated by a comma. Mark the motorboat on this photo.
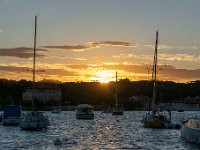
<point>11,115</point>
<point>84,111</point>
<point>117,111</point>
<point>56,110</point>
<point>190,130</point>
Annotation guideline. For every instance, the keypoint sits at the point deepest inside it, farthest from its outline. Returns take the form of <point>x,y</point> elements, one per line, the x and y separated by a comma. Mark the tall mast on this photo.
<point>154,75</point>
<point>34,60</point>
<point>116,96</point>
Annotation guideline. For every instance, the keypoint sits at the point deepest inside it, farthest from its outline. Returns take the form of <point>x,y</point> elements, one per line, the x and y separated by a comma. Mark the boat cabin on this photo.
<point>193,123</point>
<point>11,115</point>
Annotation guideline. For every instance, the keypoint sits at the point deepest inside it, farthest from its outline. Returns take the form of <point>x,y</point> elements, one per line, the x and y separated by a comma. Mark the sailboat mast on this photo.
<point>154,75</point>
<point>116,96</point>
<point>34,60</point>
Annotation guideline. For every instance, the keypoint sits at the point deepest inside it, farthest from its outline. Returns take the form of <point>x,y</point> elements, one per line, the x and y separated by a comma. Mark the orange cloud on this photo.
<point>196,41</point>
<point>69,73</point>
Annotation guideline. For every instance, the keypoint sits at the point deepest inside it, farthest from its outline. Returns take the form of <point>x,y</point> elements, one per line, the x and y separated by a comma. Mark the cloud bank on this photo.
<point>20,52</point>
<point>90,45</point>
<point>68,73</point>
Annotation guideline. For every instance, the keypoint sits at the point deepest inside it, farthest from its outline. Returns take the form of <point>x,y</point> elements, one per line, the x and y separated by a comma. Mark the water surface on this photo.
<point>104,132</point>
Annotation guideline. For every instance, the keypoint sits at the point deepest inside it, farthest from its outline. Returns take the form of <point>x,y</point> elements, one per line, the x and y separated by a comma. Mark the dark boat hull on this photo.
<point>120,113</point>
<point>85,116</point>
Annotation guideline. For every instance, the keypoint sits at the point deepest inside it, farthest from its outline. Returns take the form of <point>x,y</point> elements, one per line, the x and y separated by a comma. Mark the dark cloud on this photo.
<point>67,47</point>
<point>16,69</point>
<point>90,45</point>
<point>20,52</point>
<point>117,43</point>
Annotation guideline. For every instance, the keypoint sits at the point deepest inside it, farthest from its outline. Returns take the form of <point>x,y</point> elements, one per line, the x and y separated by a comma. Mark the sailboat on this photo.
<point>34,120</point>
<point>117,110</point>
<point>153,119</point>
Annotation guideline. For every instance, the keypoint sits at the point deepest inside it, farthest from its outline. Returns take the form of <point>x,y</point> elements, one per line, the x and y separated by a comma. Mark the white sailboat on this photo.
<point>153,119</point>
<point>34,120</point>
<point>117,110</point>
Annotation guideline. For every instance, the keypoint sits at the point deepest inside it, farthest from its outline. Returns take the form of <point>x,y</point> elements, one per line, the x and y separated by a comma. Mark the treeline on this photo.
<point>96,93</point>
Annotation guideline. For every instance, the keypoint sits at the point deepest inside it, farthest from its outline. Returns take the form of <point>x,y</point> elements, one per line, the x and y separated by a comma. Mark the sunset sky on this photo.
<point>87,40</point>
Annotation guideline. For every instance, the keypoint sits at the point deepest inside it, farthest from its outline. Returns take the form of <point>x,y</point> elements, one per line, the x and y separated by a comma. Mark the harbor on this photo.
<point>105,131</point>
<point>99,75</point>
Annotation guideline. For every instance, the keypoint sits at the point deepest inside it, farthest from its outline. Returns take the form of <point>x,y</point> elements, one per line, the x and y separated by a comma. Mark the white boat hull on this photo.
<point>190,133</point>
<point>29,125</point>
<point>33,121</point>
<point>11,121</point>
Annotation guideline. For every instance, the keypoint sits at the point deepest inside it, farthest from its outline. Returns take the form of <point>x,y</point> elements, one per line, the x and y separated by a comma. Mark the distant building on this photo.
<point>193,100</point>
<point>179,106</point>
<point>42,94</point>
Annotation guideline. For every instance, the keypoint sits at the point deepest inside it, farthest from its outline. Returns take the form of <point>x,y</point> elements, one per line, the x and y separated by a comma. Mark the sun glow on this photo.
<point>104,76</point>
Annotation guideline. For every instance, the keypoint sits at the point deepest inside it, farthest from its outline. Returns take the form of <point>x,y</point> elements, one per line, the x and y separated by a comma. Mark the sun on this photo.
<point>104,76</point>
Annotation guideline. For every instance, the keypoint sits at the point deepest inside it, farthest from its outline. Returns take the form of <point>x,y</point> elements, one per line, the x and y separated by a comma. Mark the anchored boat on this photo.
<point>117,110</point>
<point>154,119</point>
<point>84,111</point>
<point>56,110</point>
<point>34,120</point>
<point>11,115</point>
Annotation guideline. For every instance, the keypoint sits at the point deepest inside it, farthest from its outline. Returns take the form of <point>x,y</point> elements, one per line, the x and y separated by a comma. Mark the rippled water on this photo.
<point>104,132</point>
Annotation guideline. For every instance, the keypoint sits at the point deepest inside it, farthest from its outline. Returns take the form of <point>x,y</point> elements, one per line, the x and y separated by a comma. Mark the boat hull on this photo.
<point>11,121</point>
<point>153,124</point>
<point>33,125</point>
<point>29,125</point>
<point>157,121</point>
<point>85,116</point>
<point>190,133</point>
<point>33,121</point>
<point>57,111</point>
<point>119,113</point>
